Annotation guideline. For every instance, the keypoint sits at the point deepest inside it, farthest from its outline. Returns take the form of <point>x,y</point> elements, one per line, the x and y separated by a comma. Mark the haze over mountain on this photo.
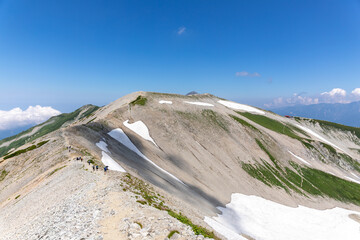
<point>180,165</point>
<point>342,113</point>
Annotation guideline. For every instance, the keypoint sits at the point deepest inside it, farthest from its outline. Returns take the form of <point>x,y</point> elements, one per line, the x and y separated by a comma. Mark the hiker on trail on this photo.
<point>105,169</point>
<point>93,168</point>
<point>81,158</point>
<point>89,162</point>
<point>97,167</point>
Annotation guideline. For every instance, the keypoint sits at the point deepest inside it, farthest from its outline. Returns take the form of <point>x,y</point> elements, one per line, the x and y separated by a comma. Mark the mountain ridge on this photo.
<point>213,146</point>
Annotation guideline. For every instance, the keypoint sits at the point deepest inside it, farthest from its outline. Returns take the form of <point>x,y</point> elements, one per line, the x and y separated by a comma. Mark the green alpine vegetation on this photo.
<point>355,164</point>
<point>198,230</point>
<point>57,169</point>
<point>153,199</point>
<point>330,125</point>
<point>243,122</point>
<point>140,100</point>
<point>214,118</point>
<point>304,180</point>
<point>32,147</point>
<point>172,233</point>
<point>3,175</point>
<point>274,125</point>
<point>54,123</point>
<point>328,147</point>
<point>207,117</point>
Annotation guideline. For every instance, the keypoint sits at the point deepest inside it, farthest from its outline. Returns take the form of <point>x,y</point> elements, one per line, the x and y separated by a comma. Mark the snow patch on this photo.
<point>119,135</point>
<point>200,103</point>
<point>107,160</point>
<point>301,159</point>
<point>140,129</point>
<point>266,220</point>
<point>353,180</point>
<point>319,137</point>
<point>113,165</point>
<point>355,175</point>
<point>238,106</point>
<point>165,102</point>
<point>103,146</point>
<point>223,230</point>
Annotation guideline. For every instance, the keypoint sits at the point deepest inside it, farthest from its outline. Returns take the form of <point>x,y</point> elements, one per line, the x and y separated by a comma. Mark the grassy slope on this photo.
<point>276,126</point>
<point>56,123</point>
<point>306,181</point>
<point>32,147</point>
<point>326,124</point>
<point>301,180</point>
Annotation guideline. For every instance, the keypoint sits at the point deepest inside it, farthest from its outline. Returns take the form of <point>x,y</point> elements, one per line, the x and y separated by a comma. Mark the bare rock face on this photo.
<point>201,150</point>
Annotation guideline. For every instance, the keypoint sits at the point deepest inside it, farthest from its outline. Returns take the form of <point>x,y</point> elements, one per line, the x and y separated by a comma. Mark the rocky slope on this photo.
<point>185,154</point>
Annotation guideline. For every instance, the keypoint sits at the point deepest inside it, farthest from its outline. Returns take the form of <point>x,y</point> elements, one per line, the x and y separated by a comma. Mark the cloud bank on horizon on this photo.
<point>336,95</point>
<point>17,117</point>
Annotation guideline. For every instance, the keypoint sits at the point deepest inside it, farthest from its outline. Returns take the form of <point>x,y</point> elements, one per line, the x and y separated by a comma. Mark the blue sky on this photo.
<point>66,54</point>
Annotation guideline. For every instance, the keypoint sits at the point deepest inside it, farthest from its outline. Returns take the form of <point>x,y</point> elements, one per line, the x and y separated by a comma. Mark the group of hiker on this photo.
<point>94,167</point>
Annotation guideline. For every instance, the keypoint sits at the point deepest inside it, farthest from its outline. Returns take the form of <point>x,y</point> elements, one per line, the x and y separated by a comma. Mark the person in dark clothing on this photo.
<point>105,169</point>
<point>89,162</point>
<point>97,167</point>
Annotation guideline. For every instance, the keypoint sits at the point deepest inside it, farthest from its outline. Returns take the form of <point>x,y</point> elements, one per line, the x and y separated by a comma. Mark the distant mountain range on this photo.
<point>14,131</point>
<point>346,114</point>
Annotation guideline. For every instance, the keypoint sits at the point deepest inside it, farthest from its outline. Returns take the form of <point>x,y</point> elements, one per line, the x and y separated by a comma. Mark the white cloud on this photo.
<point>337,95</point>
<point>335,92</point>
<point>32,115</point>
<point>296,99</point>
<point>356,92</point>
<point>247,74</point>
<point>181,30</point>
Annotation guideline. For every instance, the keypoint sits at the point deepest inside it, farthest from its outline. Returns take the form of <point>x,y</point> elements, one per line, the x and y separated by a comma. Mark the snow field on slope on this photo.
<point>119,135</point>
<point>200,103</point>
<point>301,159</point>
<point>165,102</point>
<point>311,132</point>
<point>266,220</point>
<point>238,106</point>
<point>103,146</point>
<point>140,129</point>
<point>107,160</point>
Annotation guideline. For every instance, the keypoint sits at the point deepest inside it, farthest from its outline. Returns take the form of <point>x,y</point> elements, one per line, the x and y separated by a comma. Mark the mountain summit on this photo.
<point>180,166</point>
